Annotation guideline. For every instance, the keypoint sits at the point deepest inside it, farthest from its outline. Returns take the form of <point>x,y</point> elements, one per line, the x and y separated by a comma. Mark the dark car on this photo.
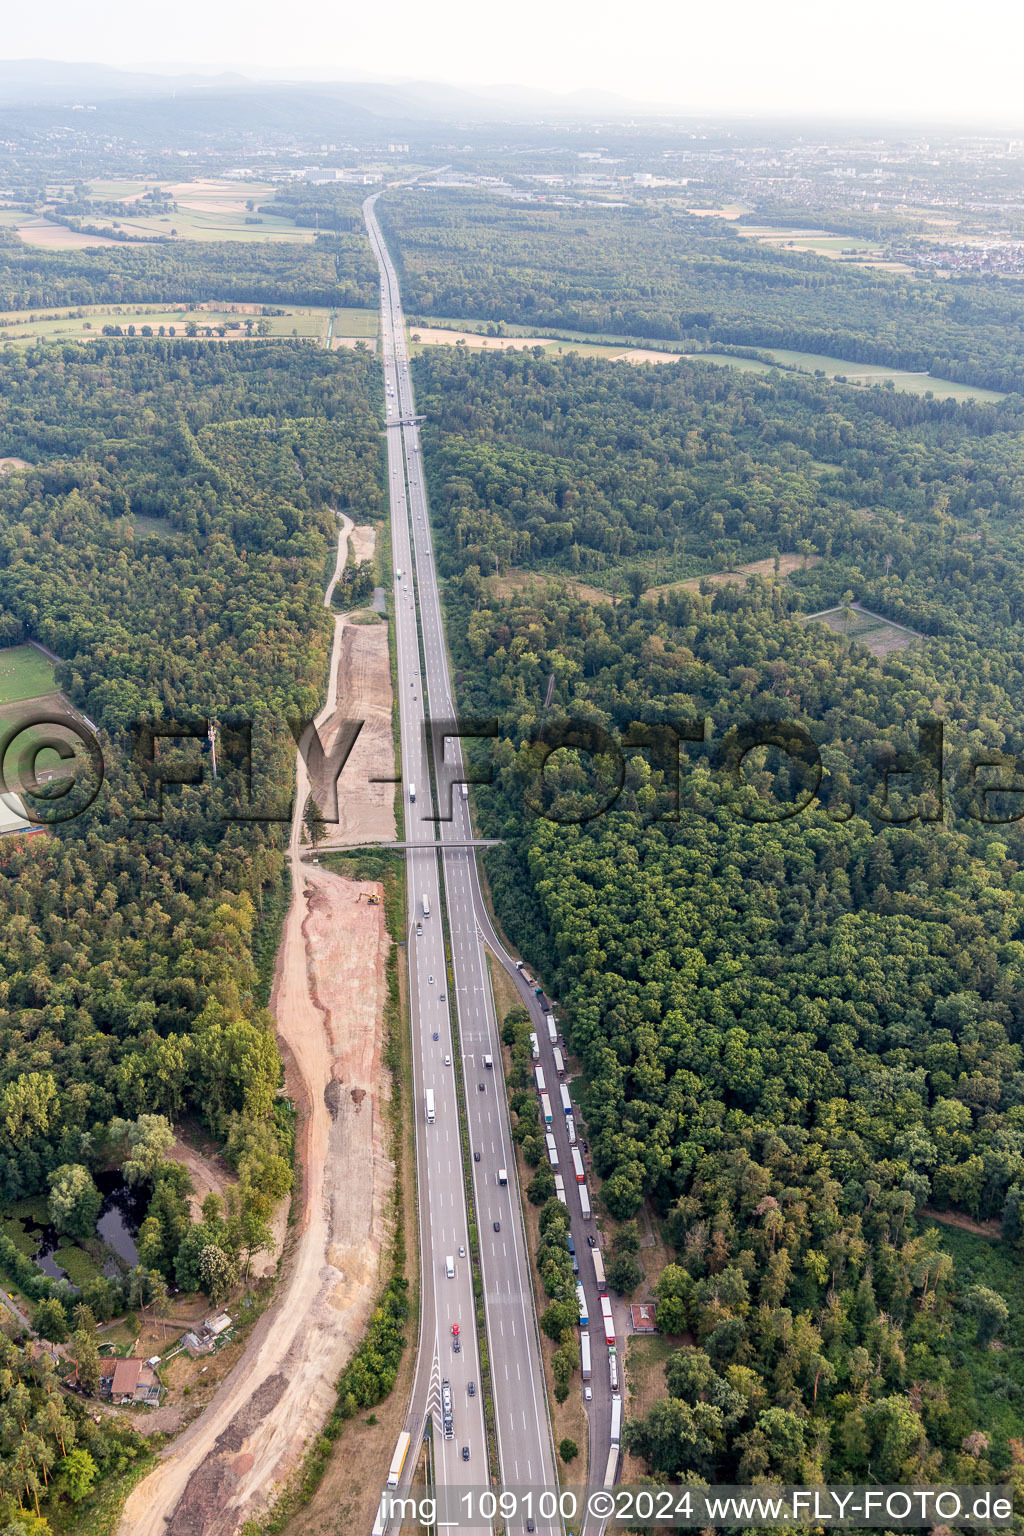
<point>481,1087</point>
<point>497,1226</point>
<point>476,1157</point>
<point>465,1453</point>
<point>591,1241</point>
<point>457,1345</point>
<point>435,1034</point>
<point>472,1389</point>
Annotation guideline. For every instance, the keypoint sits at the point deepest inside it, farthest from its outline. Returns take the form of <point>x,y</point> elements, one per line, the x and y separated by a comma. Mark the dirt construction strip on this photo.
<point>328,1001</point>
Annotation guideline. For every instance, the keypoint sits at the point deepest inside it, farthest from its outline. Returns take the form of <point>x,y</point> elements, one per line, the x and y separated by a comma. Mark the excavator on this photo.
<point>368,896</point>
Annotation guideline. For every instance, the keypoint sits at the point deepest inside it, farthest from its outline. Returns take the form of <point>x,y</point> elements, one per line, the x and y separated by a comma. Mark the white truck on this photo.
<point>552,1149</point>
<point>426,905</point>
<point>559,1062</point>
<point>585,1354</point>
<point>429,1096</point>
<point>616,1434</point>
<point>585,1202</point>
<point>552,1028</point>
<point>538,1073</point>
<point>534,1045</point>
<point>502,1176</point>
<point>560,1189</point>
<point>570,1126</point>
<point>412,793</point>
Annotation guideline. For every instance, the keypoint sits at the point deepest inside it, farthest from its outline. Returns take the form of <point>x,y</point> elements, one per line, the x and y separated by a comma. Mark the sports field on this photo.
<point>25,673</point>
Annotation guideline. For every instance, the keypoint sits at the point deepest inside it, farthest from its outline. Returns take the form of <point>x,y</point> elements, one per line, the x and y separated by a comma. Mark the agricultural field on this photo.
<point>822,242</point>
<point>860,373</point>
<point>87,322</point>
<point>449,333</point>
<point>206,210</point>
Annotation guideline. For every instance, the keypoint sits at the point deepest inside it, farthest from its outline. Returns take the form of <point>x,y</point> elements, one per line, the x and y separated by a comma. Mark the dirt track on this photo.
<point>328,1002</point>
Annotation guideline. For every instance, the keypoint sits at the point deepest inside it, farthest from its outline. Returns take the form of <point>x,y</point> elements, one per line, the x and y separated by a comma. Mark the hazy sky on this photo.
<point>942,58</point>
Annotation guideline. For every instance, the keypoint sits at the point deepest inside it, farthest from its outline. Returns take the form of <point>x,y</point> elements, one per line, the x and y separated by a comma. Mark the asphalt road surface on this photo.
<point>464,1021</point>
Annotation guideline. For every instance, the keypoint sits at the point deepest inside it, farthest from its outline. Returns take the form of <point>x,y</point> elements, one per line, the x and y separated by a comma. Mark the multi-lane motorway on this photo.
<point>457,1007</point>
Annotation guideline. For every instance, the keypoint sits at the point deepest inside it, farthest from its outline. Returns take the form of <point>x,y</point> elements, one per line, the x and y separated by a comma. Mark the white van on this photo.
<point>426,906</point>
<point>449,1266</point>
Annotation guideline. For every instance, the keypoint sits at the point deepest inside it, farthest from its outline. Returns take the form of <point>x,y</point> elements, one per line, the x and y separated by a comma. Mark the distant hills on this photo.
<point>208,99</point>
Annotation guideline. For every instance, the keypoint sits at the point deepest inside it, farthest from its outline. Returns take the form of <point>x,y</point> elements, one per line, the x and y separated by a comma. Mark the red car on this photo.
<point>455,1329</point>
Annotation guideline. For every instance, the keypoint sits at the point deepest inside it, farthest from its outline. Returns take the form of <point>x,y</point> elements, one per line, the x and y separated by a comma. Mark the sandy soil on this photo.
<point>369,342</point>
<point>363,542</point>
<point>42,232</point>
<point>9,465</point>
<point>209,1173</point>
<point>328,1001</point>
<point>361,685</point>
<point>366,810</point>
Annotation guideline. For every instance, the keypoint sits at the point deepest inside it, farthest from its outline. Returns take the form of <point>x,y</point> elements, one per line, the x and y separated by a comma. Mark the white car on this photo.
<point>447,1061</point>
<point>430,980</point>
<point>588,1394</point>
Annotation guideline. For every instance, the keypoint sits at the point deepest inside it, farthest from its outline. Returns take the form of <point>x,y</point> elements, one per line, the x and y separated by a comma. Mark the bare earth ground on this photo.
<point>363,542</point>
<point>366,810</point>
<point>9,465</point>
<point>362,685</point>
<point>328,1001</point>
<point>209,1173</point>
<point>990,1228</point>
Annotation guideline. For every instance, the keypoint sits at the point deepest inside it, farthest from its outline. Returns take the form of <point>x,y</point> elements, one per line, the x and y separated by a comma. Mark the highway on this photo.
<point>524,1441</point>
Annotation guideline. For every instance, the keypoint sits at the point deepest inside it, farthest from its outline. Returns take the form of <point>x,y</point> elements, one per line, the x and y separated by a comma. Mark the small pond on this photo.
<point>121,1215</point>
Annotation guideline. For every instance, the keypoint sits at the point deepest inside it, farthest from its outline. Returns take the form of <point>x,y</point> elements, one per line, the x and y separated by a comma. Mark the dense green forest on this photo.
<point>650,272</point>
<point>335,269</point>
<point>171,545</point>
<point>796,1034</point>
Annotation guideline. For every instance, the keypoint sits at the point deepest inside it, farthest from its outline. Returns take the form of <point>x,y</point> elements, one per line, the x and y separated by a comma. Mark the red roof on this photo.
<point>126,1378</point>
